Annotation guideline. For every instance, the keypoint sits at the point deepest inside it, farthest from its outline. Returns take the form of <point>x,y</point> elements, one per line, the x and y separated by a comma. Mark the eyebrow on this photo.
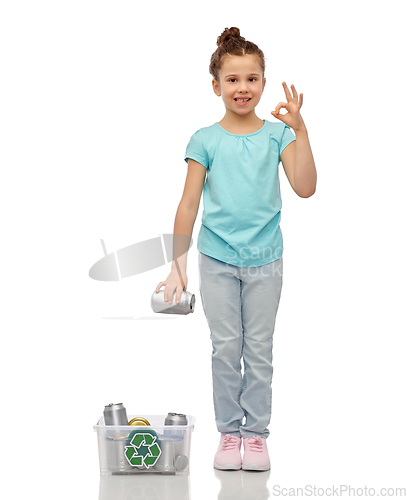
<point>233,74</point>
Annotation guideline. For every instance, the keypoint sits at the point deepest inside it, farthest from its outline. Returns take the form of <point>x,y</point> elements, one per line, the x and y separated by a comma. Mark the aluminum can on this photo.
<point>165,463</point>
<point>139,421</point>
<point>171,458</point>
<point>185,306</point>
<point>117,462</point>
<point>176,419</point>
<point>181,462</point>
<point>115,414</point>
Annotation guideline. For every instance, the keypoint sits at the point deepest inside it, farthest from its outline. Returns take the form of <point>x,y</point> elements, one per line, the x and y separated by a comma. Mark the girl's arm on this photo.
<point>184,224</point>
<point>299,165</point>
<point>297,158</point>
<point>188,208</point>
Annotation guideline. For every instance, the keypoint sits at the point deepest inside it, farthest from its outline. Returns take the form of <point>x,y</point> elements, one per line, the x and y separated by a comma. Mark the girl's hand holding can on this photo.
<point>174,282</point>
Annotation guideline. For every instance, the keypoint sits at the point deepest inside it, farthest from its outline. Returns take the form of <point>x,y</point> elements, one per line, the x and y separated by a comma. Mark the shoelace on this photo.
<point>229,442</point>
<point>255,443</point>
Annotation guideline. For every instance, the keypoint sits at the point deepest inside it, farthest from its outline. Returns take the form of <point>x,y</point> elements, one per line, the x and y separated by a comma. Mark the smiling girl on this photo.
<point>235,163</point>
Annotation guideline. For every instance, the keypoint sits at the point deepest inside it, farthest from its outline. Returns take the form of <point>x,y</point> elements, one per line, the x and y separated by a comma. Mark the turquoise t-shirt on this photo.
<point>241,195</point>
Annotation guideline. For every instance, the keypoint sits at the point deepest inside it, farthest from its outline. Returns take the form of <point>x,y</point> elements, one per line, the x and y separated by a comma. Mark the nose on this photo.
<point>243,88</point>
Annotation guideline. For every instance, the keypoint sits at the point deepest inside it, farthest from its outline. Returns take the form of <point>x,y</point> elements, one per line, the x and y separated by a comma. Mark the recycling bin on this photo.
<point>138,449</point>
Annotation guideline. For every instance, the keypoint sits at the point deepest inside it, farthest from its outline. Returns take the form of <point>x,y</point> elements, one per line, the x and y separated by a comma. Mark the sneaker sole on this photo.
<point>226,467</point>
<point>255,467</point>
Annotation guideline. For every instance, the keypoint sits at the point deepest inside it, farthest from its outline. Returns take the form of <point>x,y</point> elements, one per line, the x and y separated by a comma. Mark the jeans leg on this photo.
<point>261,290</point>
<point>221,299</point>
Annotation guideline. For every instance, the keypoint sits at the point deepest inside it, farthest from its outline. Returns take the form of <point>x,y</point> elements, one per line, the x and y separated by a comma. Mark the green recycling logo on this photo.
<point>143,449</point>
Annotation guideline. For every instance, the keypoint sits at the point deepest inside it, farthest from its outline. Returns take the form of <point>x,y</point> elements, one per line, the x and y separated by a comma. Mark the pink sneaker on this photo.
<point>228,454</point>
<point>256,455</point>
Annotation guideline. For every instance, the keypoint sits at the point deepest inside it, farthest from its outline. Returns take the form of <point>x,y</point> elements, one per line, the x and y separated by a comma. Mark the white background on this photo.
<point>98,102</point>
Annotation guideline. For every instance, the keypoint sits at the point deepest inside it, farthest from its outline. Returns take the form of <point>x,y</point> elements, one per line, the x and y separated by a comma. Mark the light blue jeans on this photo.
<point>240,305</point>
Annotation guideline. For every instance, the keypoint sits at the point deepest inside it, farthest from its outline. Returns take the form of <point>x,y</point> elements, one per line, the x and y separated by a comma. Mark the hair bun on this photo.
<point>229,34</point>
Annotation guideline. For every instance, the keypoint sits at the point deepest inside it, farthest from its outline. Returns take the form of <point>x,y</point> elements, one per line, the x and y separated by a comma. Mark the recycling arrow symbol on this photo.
<point>143,450</point>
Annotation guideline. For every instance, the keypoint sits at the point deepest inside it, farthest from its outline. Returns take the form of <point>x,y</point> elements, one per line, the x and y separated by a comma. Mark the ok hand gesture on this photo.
<point>292,118</point>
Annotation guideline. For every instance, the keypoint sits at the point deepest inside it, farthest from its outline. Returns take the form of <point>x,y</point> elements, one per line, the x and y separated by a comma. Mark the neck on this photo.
<point>235,121</point>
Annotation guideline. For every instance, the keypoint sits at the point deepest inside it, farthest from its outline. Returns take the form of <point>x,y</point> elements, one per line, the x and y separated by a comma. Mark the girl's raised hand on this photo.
<point>292,118</point>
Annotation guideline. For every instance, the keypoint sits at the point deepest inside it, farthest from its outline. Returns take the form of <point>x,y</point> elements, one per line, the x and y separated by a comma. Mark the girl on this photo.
<point>235,163</point>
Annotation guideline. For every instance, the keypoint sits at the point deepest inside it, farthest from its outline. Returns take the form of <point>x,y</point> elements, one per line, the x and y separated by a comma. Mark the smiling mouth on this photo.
<point>238,99</point>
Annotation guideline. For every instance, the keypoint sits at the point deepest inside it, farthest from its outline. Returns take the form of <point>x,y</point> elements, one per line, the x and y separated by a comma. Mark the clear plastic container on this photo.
<point>158,448</point>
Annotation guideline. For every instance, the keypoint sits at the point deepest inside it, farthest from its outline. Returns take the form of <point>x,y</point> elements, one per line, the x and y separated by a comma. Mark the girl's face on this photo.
<point>240,83</point>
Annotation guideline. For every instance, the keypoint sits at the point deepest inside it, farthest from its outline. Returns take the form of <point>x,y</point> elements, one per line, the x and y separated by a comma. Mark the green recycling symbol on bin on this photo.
<point>143,450</point>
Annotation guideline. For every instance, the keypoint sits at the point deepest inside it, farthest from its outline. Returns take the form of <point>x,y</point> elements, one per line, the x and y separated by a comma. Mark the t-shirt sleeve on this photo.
<point>196,150</point>
<point>286,138</point>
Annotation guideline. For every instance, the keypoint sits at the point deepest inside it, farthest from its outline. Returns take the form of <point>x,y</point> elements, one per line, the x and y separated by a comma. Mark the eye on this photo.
<point>230,80</point>
<point>253,79</point>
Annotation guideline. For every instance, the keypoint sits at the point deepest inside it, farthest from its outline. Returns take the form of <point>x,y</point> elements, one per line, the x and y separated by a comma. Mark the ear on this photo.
<point>216,87</point>
<point>264,84</point>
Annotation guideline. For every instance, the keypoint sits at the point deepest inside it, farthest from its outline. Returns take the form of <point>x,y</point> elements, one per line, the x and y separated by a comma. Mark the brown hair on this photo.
<point>231,43</point>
